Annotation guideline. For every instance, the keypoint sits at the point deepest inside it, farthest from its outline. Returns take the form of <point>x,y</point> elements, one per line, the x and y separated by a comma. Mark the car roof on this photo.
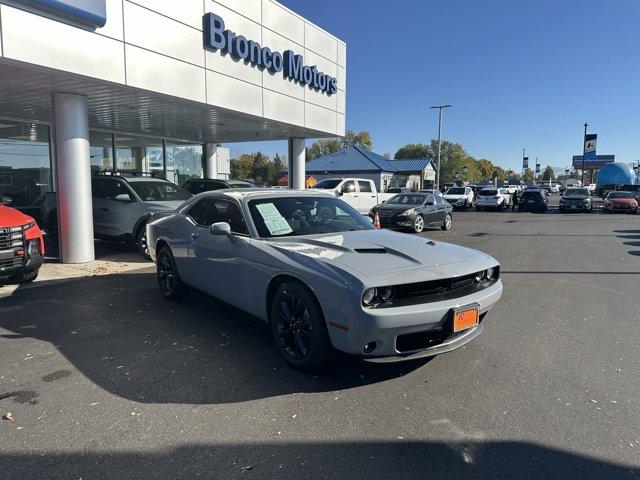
<point>250,193</point>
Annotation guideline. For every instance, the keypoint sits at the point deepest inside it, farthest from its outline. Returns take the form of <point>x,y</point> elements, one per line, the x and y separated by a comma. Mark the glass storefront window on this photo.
<point>101,151</point>
<point>184,161</point>
<point>25,169</point>
<point>139,154</point>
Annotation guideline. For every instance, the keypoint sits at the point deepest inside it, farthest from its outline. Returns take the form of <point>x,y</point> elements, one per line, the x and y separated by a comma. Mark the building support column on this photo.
<point>296,160</point>
<point>73,178</point>
<point>210,160</point>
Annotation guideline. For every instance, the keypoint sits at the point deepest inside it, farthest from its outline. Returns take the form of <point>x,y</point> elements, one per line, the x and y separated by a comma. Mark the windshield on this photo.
<point>620,195</point>
<point>455,191</point>
<point>159,191</point>
<point>407,200</point>
<point>240,184</point>
<point>577,192</point>
<point>328,184</point>
<point>292,216</point>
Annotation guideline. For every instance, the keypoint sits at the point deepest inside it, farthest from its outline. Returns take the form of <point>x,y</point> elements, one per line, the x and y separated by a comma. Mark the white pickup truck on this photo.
<point>360,193</point>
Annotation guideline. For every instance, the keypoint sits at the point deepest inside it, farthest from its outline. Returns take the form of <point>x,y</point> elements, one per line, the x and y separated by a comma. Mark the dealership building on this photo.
<point>152,86</point>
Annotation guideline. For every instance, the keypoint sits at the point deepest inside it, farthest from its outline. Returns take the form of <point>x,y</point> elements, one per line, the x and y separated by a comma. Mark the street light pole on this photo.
<point>584,150</point>
<point>523,150</point>
<point>439,107</point>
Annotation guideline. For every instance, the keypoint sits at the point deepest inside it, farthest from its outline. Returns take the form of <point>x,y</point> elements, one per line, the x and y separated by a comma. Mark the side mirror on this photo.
<point>222,228</point>
<point>122,197</point>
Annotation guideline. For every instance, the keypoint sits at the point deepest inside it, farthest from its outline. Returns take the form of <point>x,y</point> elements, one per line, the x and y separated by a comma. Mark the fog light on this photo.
<point>370,347</point>
<point>369,296</point>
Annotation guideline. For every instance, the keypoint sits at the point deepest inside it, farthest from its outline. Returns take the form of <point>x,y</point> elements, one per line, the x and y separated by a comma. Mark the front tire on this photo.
<point>299,329</point>
<point>418,224</point>
<point>141,242</point>
<point>448,221</point>
<point>171,286</point>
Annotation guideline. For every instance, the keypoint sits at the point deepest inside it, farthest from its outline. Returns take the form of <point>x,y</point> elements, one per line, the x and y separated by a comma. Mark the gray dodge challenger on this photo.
<point>322,276</point>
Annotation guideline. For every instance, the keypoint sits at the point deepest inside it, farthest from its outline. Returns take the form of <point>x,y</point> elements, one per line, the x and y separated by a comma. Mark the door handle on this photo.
<point>194,235</point>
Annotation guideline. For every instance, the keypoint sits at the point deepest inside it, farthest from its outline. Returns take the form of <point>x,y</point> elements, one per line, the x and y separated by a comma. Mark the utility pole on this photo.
<point>584,150</point>
<point>523,162</point>
<point>439,107</point>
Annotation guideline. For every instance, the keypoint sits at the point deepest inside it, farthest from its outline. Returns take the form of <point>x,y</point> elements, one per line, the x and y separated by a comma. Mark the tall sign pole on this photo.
<point>523,150</point>
<point>584,150</point>
<point>439,107</point>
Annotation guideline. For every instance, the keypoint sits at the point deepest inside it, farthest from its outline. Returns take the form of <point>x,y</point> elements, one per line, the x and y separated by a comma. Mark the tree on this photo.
<point>327,146</point>
<point>548,174</point>
<point>387,155</point>
<point>528,175</point>
<point>278,168</point>
<point>242,167</point>
<point>361,139</point>
<point>414,150</point>
<point>323,147</point>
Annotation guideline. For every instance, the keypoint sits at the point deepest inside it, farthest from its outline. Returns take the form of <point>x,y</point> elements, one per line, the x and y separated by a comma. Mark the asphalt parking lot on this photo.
<point>105,379</point>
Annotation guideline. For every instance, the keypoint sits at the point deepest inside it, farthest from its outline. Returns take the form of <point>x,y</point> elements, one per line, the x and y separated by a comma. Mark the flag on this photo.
<point>525,163</point>
<point>590,140</point>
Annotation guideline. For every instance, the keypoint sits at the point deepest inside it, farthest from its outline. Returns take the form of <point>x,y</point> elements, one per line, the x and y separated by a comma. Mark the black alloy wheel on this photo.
<point>171,286</point>
<point>299,329</point>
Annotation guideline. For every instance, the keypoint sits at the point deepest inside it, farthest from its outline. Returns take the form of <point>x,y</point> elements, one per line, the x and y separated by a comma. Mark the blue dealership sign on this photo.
<point>92,13</point>
<point>598,162</point>
<point>218,38</point>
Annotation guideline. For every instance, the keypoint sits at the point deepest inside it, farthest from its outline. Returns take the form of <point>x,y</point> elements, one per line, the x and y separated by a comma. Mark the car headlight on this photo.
<point>374,296</point>
<point>369,296</point>
<point>33,248</point>
<point>490,273</point>
<point>480,276</point>
<point>407,213</point>
<point>586,200</point>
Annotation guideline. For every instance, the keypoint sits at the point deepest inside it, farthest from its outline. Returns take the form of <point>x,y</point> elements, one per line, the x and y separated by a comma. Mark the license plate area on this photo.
<point>465,317</point>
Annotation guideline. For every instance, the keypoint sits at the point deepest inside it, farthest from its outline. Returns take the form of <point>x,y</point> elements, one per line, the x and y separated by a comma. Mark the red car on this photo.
<point>21,247</point>
<point>621,202</point>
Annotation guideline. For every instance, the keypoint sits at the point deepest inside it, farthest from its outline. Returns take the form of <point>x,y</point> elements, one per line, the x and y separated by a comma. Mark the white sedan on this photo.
<point>322,277</point>
<point>493,198</point>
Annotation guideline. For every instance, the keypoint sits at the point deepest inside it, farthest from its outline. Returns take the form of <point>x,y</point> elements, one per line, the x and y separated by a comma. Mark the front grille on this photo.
<point>10,239</point>
<point>438,290</point>
<point>420,340</point>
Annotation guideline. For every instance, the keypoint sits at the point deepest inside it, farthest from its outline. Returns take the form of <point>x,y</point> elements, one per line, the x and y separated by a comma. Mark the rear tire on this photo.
<point>171,285</point>
<point>447,222</point>
<point>299,329</point>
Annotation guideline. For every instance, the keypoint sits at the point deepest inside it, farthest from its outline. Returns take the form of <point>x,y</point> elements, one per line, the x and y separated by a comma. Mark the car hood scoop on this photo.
<point>376,252</point>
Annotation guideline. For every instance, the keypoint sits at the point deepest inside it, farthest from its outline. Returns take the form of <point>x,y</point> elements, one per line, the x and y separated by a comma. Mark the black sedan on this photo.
<point>576,200</point>
<point>414,211</point>
<point>533,200</point>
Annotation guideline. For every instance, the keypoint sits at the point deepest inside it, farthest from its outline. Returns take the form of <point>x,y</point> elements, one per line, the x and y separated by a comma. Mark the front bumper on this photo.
<point>620,207</point>
<point>17,265</point>
<point>385,325</point>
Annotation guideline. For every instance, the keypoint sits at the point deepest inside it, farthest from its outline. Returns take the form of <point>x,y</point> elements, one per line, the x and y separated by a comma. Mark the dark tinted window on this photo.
<point>194,187</point>
<point>488,193</point>
<point>405,199</point>
<point>158,191</point>
<point>456,191</point>
<point>349,187</point>
<point>109,189</point>
<point>364,186</point>
<point>532,194</point>
<point>211,210</point>
<point>620,195</point>
<point>439,200</point>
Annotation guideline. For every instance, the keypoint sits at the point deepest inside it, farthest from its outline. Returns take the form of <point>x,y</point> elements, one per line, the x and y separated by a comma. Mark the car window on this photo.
<point>198,211</point>
<point>159,191</point>
<point>430,199</point>
<point>407,199</point>
<point>110,189</point>
<point>208,211</point>
<point>440,200</point>
<point>364,186</point>
<point>456,191</point>
<point>488,193</point>
<point>194,187</point>
<point>349,187</point>
<point>620,195</point>
<point>328,184</point>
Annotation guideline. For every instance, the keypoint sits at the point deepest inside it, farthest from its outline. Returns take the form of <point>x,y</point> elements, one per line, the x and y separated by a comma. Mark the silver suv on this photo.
<point>123,204</point>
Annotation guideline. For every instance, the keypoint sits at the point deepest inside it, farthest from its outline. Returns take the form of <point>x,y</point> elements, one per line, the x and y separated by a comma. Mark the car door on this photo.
<point>112,218</point>
<point>218,263</point>
<point>431,212</point>
<point>349,192</point>
<point>367,198</point>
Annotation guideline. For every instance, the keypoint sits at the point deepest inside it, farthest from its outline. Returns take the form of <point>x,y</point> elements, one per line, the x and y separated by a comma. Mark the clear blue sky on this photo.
<point>519,73</point>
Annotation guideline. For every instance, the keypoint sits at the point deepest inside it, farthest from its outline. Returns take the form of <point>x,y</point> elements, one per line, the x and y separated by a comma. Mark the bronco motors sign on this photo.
<point>217,37</point>
<point>92,13</point>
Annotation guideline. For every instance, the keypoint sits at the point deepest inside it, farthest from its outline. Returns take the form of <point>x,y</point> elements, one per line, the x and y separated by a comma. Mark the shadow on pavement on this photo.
<point>125,337</point>
<point>353,460</point>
